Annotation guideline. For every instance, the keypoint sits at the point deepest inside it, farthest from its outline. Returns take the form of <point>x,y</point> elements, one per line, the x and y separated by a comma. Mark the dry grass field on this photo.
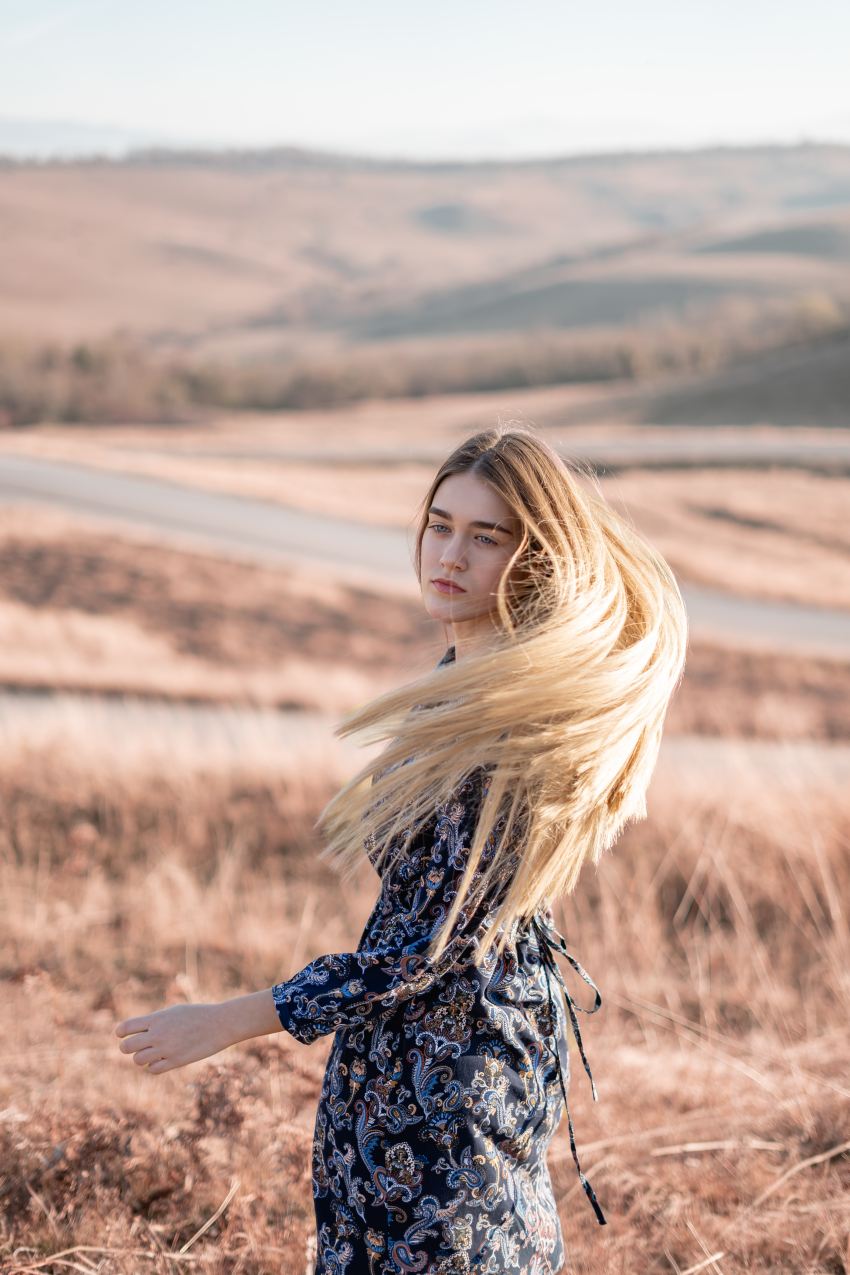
<point>716,929</point>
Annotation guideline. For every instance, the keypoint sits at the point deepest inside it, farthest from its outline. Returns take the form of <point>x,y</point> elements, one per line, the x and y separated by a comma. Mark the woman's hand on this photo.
<point>181,1034</point>
<point>175,1036</point>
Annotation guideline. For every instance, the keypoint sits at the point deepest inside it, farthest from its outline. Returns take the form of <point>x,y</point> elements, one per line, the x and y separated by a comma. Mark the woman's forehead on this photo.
<point>469,497</point>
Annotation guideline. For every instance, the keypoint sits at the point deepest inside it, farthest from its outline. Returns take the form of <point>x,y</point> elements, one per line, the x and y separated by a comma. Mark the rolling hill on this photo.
<point>289,278</point>
<point>279,251</point>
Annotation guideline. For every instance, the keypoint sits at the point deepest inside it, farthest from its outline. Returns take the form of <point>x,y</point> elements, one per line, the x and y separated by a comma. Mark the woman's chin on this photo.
<point>438,612</point>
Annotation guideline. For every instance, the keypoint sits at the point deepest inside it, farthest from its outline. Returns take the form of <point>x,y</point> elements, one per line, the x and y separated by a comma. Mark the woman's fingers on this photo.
<point>130,1044</point>
<point>174,1036</point>
<point>129,1025</point>
<point>147,1055</point>
<point>139,1038</point>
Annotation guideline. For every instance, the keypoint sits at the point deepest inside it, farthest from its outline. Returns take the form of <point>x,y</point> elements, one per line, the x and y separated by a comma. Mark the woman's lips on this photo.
<point>443,587</point>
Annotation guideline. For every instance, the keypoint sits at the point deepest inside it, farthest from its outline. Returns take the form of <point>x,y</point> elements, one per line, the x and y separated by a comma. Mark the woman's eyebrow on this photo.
<point>488,526</point>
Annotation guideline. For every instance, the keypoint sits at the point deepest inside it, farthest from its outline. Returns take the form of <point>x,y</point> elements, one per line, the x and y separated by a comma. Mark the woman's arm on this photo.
<point>182,1034</point>
<point>340,988</point>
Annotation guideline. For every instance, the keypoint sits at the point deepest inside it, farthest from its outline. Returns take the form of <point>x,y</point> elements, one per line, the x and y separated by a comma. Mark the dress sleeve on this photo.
<point>345,989</point>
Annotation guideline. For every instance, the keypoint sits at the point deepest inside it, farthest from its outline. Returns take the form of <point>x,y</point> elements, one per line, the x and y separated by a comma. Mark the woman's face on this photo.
<point>456,547</point>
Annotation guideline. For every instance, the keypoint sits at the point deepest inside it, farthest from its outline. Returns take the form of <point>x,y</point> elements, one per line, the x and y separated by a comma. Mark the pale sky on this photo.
<point>434,79</point>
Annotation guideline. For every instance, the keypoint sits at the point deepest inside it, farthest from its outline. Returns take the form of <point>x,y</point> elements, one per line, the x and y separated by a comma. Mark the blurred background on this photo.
<point>260,270</point>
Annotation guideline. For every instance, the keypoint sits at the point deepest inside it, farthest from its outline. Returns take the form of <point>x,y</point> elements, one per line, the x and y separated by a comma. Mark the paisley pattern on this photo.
<point>445,1084</point>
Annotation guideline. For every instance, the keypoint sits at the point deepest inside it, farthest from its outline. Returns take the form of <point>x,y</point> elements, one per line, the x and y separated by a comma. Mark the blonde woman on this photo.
<point>515,760</point>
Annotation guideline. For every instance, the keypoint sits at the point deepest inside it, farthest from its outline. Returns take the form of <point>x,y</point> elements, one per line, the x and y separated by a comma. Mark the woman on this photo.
<point>514,761</point>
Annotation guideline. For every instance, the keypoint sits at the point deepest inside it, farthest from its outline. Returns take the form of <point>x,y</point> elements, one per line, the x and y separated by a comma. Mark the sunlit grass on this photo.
<point>716,930</point>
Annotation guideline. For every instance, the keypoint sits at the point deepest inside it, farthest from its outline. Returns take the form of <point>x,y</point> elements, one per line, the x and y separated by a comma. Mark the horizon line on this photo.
<point>224,150</point>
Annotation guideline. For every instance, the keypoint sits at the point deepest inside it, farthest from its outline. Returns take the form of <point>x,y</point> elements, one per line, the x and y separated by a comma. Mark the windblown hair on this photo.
<point>562,711</point>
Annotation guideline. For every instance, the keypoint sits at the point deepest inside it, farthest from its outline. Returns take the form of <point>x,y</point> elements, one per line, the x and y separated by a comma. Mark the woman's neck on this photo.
<point>464,647</point>
<point>471,637</point>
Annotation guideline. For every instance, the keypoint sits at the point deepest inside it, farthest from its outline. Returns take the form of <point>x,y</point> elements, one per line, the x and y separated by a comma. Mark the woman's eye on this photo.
<point>441,526</point>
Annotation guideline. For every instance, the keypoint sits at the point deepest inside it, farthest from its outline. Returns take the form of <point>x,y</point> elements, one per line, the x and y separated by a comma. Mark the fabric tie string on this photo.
<point>552,941</point>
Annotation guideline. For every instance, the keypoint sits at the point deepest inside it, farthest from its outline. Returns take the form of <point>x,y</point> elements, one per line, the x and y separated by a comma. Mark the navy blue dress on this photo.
<point>445,1083</point>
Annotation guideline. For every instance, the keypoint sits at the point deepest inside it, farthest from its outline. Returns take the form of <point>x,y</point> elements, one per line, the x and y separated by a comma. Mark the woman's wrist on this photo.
<point>244,1017</point>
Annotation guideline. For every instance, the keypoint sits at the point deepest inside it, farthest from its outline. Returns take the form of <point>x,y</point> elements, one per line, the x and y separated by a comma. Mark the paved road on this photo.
<point>263,531</point>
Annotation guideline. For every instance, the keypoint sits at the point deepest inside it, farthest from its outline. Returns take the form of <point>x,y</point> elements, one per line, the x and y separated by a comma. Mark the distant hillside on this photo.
<point>168,283</point>
<point>791,387</point>
<point>829,241</point>
<point>250,255</point>
<point>802,385</point>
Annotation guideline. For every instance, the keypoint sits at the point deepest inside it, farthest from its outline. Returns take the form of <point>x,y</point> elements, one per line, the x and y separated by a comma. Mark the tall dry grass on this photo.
<point>717,930</point>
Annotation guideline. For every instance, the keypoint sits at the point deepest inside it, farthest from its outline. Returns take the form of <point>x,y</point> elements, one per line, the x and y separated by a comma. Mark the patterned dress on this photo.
<point>445,1083</point>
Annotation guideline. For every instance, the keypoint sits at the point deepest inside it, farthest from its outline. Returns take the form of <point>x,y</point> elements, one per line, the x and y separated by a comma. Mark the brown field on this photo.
<point>167,713</point>
<point>716,930</point>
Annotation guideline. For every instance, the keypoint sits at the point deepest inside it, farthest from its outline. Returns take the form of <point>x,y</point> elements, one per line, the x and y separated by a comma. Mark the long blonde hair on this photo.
<point>561,713</point>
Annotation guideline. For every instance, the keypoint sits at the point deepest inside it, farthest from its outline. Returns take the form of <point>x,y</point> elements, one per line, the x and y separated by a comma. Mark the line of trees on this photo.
<point>119,379</point>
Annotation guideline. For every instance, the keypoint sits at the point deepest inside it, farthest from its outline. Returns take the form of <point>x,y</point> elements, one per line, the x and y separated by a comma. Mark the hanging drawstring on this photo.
<point>549,939</point>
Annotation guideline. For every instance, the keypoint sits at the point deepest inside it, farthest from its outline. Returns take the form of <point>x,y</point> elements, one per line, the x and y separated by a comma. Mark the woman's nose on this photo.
<point>450,560</point>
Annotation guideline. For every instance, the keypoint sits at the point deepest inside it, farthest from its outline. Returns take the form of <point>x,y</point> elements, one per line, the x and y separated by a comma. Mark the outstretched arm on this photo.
<point>341,988</point>
<point>182,1034</point>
